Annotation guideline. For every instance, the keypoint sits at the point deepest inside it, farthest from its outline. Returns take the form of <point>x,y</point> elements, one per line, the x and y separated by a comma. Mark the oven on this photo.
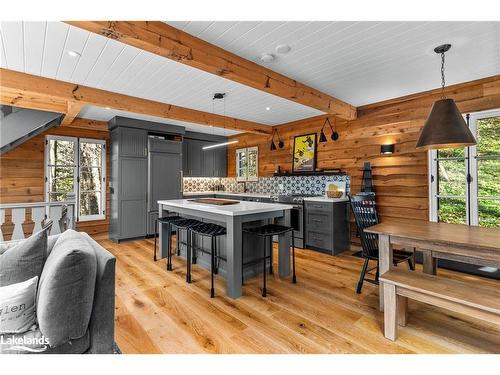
<point>296,216</point>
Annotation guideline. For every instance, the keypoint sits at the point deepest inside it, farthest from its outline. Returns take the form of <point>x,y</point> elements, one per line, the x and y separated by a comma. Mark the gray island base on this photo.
<point>234,218</point>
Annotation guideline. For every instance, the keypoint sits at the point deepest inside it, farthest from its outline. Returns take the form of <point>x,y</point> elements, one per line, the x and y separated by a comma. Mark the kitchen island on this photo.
<point>234,218</point>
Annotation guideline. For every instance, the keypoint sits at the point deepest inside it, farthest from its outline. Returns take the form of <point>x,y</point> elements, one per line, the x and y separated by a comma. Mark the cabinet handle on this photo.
<point>317,220</point>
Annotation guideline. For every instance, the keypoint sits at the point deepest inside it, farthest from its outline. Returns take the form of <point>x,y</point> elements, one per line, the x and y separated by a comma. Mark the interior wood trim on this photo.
<point>167,41</point>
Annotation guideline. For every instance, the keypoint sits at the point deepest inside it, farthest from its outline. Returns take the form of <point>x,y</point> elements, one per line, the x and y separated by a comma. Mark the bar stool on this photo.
<point>266,232</point>
<point>166,220</point>
<point>186,224</point>
<point>212,231</point>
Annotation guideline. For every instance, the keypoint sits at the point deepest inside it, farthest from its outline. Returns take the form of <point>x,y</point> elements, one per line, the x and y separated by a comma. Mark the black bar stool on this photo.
<point>266,232</point>
<point>166,220</point>
<point>186,224</point>
<point>213,231</point>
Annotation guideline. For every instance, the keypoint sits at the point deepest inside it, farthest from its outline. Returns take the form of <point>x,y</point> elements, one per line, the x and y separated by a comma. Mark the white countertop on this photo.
<point>241,208</point>
<point>255,195</point>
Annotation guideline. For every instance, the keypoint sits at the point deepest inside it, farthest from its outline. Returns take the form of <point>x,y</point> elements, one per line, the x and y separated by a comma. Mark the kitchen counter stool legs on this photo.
<point>168,221</point>
<point>267,232</point>
<point>211,231</point>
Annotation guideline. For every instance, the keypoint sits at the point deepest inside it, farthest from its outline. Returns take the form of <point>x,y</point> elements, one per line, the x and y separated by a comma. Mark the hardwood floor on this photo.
<point>157,312</point>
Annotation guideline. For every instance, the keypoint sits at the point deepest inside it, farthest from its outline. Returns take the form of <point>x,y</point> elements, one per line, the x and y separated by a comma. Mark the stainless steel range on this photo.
<point>297,213</point>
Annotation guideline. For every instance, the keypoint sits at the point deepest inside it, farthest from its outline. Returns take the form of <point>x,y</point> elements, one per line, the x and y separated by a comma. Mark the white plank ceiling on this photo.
<point>41,48</point>
<point>362,62</point>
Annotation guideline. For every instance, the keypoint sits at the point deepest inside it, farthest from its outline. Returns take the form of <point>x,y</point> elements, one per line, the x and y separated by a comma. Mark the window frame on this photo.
<point>246,152</point>
<point>471,170</point>
<point>76,178</point>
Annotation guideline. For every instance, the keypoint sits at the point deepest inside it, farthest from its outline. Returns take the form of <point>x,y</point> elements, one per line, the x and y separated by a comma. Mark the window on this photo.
<point>247,164</point>
<point>76,168</point>
<point>465,183</point>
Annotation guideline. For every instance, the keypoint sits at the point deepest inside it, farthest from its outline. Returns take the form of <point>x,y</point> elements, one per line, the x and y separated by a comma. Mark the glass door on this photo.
<point>485,170</point>
<point>464,183</point>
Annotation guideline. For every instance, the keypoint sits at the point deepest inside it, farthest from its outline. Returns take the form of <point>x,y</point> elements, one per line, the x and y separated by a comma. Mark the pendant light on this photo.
<point>219,96</point>
<point>445,127</point>
<point>334,136</point>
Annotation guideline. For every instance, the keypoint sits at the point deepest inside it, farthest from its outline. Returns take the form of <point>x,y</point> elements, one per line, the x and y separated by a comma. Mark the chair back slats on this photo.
<point>365,213</point>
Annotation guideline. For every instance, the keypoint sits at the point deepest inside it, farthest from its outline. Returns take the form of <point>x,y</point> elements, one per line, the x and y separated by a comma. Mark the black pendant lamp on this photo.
<point>445,127</point>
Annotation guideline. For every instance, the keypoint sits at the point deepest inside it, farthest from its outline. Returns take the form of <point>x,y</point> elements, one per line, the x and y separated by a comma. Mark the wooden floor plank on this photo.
<point>157,312</point>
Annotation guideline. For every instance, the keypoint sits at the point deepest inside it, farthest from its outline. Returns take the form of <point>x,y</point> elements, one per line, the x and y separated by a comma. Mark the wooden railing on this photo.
<point>27,218</point>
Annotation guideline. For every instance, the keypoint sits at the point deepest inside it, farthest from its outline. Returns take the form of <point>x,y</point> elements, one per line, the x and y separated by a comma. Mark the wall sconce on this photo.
<point>387,149</point>
<point>334,136</point>
<point>281,144</point>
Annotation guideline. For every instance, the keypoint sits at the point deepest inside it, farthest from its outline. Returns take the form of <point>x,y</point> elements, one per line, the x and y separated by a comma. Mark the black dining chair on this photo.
<point>365,213</point>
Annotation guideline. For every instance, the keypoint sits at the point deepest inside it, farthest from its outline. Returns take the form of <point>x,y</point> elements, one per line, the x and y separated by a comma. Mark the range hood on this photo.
<point>17,125</point>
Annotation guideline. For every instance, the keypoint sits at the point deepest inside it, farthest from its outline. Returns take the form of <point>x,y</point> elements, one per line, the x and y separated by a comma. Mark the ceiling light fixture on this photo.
<point>218,96</point>
<point>74,53</point>
<point>268,108</point>
<point>283,48</point>
<point>219,145</point>
<point>267,57</point>
<point>445,127</point>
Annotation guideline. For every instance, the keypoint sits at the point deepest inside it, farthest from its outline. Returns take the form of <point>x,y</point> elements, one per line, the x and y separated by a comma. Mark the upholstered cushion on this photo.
<point>24,260</point>
<point>17,306</point>
<point>66,289</point>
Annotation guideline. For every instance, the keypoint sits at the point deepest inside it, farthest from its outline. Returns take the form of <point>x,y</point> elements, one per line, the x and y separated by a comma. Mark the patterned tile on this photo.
<point>270,185</point>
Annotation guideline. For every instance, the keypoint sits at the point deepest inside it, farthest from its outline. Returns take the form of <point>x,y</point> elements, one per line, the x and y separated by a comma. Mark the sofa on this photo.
<point>99,335</point>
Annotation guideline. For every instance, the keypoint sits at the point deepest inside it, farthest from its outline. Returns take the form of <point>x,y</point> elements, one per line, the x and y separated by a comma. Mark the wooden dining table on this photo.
<point>458,242</point>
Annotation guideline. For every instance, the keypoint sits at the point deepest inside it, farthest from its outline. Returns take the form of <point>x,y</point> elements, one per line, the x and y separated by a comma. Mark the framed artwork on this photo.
<point>304,153</point>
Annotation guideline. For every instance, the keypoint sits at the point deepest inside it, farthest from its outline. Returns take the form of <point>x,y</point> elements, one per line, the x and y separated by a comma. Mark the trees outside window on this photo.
<point>465,183</point>
<point>76,168</point>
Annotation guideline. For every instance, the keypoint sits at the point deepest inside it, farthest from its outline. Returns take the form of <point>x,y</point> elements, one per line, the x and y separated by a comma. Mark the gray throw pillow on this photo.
<point>66,289</point>
<point>24,260</point>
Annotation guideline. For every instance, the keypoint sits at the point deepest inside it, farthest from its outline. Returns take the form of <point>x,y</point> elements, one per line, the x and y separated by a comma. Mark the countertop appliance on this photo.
<point>297,213</point>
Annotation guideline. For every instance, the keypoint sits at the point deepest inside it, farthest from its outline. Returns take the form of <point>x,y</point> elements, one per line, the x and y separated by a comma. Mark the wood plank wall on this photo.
<point>400,180</point>
<point>22,171</point>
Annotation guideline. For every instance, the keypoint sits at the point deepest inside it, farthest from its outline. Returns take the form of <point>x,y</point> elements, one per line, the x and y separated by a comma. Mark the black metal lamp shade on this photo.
<point>445,128</point>
<point>387,149</point>
<point>322,137</point>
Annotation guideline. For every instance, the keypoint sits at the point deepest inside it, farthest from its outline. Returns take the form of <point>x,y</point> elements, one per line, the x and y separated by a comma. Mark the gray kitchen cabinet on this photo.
<point>133,142</point>
<point>197,162</point>
<point>145,166</point>
<point>194,158</point>
<point>220,161</point>
<point>326,226</point>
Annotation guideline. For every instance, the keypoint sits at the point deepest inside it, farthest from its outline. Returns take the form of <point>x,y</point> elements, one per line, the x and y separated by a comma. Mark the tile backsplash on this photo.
<point>272,185</point>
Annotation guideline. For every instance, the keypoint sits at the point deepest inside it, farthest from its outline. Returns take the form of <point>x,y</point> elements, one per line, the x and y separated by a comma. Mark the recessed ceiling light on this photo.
<point>267,57</point>
<point>268,108</point>
<point>73,53</point>
<point>283,48</point>
<point>107,107</point>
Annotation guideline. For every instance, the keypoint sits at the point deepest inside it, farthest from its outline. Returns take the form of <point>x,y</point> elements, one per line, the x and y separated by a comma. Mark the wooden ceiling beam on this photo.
<point>73,108</point>
<point>25,88</point>
<point>13,98</point>
<point>167,41</point>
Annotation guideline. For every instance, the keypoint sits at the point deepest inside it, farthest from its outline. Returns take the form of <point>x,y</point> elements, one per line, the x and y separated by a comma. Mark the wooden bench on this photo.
<point>465,298</point>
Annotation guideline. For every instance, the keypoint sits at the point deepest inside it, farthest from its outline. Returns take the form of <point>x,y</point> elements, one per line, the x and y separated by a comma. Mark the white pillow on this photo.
<point>17,306</point>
